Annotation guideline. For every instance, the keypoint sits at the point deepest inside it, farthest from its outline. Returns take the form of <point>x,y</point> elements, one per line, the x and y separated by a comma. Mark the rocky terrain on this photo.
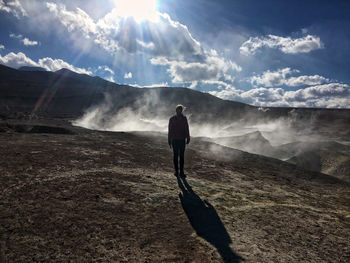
<point>322,154</point>
<point>263,184</point>
<point>74,195</point>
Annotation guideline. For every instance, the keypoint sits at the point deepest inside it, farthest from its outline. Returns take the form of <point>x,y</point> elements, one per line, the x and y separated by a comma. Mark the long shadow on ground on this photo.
<point>206,222</point>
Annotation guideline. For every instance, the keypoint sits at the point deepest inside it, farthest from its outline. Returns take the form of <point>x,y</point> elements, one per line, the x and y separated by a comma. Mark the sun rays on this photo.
<point>138,9</point>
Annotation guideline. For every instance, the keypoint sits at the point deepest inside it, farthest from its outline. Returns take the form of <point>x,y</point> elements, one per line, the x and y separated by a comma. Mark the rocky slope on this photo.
<point>70,194</point>
<point>253,142</point>
<point>327,157</point>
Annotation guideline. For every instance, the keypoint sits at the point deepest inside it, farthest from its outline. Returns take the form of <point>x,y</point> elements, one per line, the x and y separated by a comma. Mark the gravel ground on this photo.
<point>73,195</point>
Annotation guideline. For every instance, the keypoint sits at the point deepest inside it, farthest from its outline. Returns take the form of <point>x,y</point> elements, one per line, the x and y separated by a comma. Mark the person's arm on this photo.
<point>169,132</point>
<point>187,132</point>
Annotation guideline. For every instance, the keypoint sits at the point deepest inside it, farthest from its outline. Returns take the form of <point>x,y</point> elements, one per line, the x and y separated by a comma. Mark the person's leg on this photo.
<point>176,156</point>
<point>182,155</point>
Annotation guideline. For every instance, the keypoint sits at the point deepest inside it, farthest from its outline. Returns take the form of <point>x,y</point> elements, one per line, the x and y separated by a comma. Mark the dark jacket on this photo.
<point>178,128</point>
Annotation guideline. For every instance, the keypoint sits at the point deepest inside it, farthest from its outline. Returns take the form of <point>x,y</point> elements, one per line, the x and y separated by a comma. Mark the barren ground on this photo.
<point>75,195</point>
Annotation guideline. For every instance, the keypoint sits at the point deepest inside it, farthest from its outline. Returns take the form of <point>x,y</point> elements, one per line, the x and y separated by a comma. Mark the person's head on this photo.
<point>179,109</point>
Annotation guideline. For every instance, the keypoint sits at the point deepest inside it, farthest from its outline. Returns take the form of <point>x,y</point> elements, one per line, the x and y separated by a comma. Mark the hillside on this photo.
<point>28,68</point>
<point>253,142</point>
<point>327,157</point>
<point>74,194</point>
<point>66,94</point>
<point>55,94</point>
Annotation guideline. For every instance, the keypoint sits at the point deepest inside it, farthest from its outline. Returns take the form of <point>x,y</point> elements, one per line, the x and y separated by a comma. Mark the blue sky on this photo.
<point>265,53</point>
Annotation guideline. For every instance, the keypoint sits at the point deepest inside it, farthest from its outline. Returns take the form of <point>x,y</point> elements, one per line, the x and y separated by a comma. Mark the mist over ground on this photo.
<point>305,137</point>
<point>150,113</point>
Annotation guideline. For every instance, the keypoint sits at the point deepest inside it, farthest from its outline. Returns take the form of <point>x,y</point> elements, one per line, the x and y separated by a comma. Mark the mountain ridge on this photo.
<point>67,94</point>
<point>66,83</point>
<point>28,68</point>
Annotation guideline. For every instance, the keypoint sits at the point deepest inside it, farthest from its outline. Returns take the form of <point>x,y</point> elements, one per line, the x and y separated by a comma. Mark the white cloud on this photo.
<point>168,42</point>
<point>193,85</point>
<point>319,91</point>
<point>28,42</point>
<point>78,20</point>
<point>162,61</point>
<point>115,33</point>
<point>306,80</point>
<point>105,72</point>
<point>173,39</point>
<point>331,95</point>
<point>157,85</point>
<point>107,69</point>
<point>285,44</point>
<point>19,59</point>
<point>13,7</point>
<point>2,47</point>
<point>220,84</point>
<point>128,75</point>
<point>56,64</point>
<point>24,40</point>
<point>272,78</point>
<point>211,68</point>
<point>146,45</point>
<point>259,96</point>
<point>110,78</point>
<point>280,77</point>
<point>229,93</point>
<point>183,72</point>
<point>16,36</point>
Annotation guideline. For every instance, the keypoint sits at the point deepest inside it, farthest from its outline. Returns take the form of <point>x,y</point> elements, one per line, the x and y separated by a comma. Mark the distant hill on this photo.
<point>66,94</point>
<point>53,94</point>
<point>27,68</point>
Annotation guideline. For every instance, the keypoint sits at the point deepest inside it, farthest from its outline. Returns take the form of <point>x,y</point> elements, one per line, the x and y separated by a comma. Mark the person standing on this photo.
<point>178,137</point>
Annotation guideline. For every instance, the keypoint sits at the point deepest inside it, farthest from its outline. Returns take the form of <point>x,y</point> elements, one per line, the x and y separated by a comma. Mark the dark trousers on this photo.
<point>179,150</point>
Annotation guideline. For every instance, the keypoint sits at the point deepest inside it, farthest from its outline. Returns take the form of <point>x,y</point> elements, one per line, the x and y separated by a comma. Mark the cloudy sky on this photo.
<point>265,53</point>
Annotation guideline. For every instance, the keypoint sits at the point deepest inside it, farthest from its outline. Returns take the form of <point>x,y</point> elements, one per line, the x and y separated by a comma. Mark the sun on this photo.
<point>138,9</point>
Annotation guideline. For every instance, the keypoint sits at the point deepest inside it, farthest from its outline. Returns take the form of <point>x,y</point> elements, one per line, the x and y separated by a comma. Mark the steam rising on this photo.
<point>140,117</point>
<point>289,138</point>
<point>148,113</point>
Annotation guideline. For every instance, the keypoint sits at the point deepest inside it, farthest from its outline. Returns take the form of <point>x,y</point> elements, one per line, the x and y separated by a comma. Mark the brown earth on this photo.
<point>89,196</point>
